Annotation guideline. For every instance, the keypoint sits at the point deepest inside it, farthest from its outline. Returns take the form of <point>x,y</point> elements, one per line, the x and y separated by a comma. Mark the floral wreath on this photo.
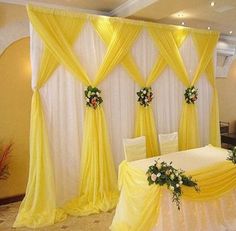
<point>232,155</point>
<point>191,95</point>
<point>92,97</point>
<point>162,173</point>
<point>145,96</point>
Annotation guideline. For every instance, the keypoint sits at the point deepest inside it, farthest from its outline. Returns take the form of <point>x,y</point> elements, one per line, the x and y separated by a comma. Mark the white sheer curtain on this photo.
<point>63,100</point>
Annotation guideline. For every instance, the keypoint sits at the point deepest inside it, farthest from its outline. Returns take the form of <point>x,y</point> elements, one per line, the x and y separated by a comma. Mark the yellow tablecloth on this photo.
<point>142,207</point>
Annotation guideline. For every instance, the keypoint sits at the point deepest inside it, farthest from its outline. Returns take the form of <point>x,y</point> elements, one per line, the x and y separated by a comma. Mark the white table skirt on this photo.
<point>215,215</point>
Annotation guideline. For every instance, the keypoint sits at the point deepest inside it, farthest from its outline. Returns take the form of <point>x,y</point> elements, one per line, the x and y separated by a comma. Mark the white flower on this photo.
<point>93,93</point>
<point>180,178</point>
<point>168,172</point>
<point>158,165</point>
<point>144,92</point>
<point>176,173</point>
<point>146,100</point>
<point>172,188</point>
<point>177,185</point>
<point>97,93</point>
<point>158,174</point>
<point>172,176</point>
<point>181,182</point>
<point>87,99</point>
<point>153,177</point>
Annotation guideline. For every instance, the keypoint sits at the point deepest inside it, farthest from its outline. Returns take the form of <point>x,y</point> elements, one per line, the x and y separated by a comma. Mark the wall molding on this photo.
<point>55,6</point>
<point>124,10</point>
<point>130,7</point>
<point>12,199</point>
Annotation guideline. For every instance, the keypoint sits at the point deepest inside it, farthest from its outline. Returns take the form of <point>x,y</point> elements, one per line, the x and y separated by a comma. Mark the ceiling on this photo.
<point>194,13</point>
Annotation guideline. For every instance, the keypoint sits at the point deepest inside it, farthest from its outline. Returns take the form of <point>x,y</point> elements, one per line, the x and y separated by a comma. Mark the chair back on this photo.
<point>135,148</point>
<point>168,143</point>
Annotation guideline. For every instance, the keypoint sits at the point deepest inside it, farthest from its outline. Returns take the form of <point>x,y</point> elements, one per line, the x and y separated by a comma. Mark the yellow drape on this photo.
<point>39,206</point>
<point>98,186</point>
<point>165,39</point>
<point>200,41</point>
<point>58,33</point>
<point>143,201</point>
<point>53,29</point>
<point>98,190</point>
<point>145,123</point>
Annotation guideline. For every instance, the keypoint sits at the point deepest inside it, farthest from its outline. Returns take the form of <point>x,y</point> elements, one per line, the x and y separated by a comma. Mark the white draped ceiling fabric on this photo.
<point>65,173</point>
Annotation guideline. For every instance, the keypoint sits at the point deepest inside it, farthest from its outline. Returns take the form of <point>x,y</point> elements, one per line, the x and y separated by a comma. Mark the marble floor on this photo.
<point>98,222</point>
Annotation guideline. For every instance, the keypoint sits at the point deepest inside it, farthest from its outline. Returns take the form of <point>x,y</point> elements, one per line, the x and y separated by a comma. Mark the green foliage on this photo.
<point>232,155</point>
<point>190,95</point>
<point>162,173</point>
<point>145,96</point>
<point>92,97</point>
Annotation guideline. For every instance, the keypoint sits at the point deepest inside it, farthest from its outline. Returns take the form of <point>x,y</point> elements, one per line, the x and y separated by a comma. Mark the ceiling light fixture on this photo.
<point>208,27</point>
<point>182,23</point>
<point>231,32</point>
<point>180,14</point>
<point>212,3</point>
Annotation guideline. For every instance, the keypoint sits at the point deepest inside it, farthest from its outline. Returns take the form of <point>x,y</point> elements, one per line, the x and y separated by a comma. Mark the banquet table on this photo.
<point>144,207</point>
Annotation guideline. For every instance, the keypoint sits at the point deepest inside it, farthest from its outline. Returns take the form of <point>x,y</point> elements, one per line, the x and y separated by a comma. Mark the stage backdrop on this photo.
<point>75,150</point>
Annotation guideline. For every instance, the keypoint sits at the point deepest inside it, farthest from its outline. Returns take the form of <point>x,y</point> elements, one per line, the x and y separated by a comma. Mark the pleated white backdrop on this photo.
<point>64,104</point>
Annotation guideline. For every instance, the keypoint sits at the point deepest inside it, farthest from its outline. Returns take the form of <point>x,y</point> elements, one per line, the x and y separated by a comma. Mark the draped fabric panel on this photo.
<point>74,165</point>
<point>209,67</point>
<point>189,129</point>
<point>141,202</point>
<point>40,201</point>
<point>145,124</point>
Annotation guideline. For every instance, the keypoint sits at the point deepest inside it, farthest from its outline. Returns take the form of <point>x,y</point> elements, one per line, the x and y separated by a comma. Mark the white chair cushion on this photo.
<point>135,149</point>
<point>168,143</point>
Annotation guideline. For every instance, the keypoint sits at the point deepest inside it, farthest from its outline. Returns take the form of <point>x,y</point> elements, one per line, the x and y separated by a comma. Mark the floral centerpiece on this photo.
<point>92,97</point>
<point>162,173</point>
<point>190,95</point>
<point>145,96</point>
<point>4,156</point>
<point>232,155</point>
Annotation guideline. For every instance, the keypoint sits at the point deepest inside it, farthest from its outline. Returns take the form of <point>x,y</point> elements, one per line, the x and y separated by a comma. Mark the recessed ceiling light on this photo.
<point>231,32</point>
<point>182,23</point>
<point>208,27</point>
<point>212,3</point>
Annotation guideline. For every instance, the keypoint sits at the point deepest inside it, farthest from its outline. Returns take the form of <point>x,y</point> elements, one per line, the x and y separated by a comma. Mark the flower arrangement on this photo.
<point>232,155</point>
<point>145,96</point>
<point>191,95</point>
<point>163,173</point>
<point>4,156</point>
<point>92,97</point>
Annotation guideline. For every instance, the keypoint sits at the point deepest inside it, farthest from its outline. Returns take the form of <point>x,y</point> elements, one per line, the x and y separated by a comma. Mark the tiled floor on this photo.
<point>98,222</point>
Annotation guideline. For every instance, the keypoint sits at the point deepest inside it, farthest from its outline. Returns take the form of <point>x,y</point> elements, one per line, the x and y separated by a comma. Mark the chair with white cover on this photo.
<point>135,148</point>
<point>168,143</point>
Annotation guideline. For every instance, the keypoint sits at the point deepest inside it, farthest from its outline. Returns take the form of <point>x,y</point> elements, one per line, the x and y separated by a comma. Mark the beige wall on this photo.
<point>14,24</point>
<point>227,97</point>
<point>15,100</point>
